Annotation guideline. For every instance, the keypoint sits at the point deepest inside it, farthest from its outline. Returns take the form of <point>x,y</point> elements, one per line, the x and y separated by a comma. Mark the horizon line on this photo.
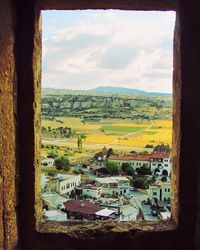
<point>60,88</point>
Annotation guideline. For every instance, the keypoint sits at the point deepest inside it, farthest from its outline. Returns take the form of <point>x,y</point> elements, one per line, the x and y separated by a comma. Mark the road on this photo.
<point>91,145</point>
<point>145,208</point>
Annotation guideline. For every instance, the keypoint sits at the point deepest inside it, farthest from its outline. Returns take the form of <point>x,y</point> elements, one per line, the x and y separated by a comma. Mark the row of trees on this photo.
<point>140,176</point>
<point>61,162</point>
<point>114,169</point>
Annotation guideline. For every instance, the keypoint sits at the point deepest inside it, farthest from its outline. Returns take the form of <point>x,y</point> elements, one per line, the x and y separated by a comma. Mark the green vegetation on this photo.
<point>143,170</point>
<point>53,153</point>
<point>91,107</point>
<point>124,129</point>
<point>127,169</point>
<point>113,168</point>
<point>142,181</point>
<point>62,163</point>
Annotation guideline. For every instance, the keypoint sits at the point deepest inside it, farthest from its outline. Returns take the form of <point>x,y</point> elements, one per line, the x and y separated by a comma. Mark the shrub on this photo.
<point>113,168</point>
<point>143,170</point>
<point>62,163</point>
<point>53,153</point>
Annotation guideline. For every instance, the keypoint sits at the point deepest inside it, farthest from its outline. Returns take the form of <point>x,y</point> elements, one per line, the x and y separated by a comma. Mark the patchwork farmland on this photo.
<point>121,135</point>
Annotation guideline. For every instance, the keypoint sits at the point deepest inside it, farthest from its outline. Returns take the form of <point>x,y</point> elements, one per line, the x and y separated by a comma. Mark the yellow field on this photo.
<point>152,132</point>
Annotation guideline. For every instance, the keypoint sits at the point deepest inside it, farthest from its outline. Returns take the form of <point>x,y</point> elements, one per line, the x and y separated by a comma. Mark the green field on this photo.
<point>122,129</point>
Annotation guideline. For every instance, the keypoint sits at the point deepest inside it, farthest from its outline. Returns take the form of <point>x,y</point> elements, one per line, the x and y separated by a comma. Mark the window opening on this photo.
<point>106,115</point>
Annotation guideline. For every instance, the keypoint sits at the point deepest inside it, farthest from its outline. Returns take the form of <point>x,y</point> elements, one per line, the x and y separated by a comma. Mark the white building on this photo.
<point>44,180</point>
<point>161,164</point>
<point>106,214</point>
<point>92,191</point>
<point>47,162</point>
<point>53,201</point>
<point>63,184</point>
<point>117,185</point>
<point>135,161</point>
<point>55,215</point>
<point>160,191</point>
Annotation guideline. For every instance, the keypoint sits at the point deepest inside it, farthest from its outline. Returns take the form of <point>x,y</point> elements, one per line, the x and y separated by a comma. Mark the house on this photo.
<point>130,211</point>
<point>53,201</point>
<point>99,170</point>
<point>102,156</point>
<point>160,191</point>
<point>161,163</point>
<point>117,185</point>
<point>106,214</point>
<point>47,162</point>
<point>135,161</point>
<point>78,209</point>
<point>63,184</point>
<point>44,180</point>
<point>92,191</point>
<point>54,215</point>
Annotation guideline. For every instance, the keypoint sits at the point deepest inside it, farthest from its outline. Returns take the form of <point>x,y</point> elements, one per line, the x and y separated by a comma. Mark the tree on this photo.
<point>62,163</point>
<point>164,179</point>
<point>162,148</point>
<point>138,182</point>
<point>79,142</point>
<point>149,146</point>
<point>52,173</point>
<point>127,169</point>
<point>53,154</point>
<point>143,170</point>
<point>113,168</point>
<point>80,139</point>
<point>110,152</point>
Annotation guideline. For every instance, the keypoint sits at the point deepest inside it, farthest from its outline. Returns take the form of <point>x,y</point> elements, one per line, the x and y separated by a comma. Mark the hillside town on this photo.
<point>109,186</point>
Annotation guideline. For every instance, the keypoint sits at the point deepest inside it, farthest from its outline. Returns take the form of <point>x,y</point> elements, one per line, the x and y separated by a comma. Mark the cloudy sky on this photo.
<point>86,49</point>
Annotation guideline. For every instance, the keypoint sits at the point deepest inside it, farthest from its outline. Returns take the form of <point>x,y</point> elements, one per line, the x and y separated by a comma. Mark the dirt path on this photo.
<point>92,145</point>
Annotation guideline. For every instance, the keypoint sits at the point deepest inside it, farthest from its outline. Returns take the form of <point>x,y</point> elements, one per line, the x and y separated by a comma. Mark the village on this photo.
<point>110,186</point>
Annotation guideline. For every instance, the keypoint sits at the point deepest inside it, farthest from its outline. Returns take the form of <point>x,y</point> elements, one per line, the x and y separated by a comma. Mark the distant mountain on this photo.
<point>127,91</point>
<point>102,90</point>
<point>118,90</point>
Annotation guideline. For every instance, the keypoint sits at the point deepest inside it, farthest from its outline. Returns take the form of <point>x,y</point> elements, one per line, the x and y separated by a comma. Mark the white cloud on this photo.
<point>111,47</point>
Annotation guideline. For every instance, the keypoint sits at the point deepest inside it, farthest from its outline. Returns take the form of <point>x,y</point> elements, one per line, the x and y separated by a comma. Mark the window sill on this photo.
<point>90,230</point>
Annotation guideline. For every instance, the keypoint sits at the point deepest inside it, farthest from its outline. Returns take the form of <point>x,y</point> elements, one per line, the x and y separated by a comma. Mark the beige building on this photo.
<point>159,163</point>
<point>117,185</point>
<point>63,184</point>
<point>47,162</point>
<point>135,161</point>
<point>92,191</point>
<point>160,191</point>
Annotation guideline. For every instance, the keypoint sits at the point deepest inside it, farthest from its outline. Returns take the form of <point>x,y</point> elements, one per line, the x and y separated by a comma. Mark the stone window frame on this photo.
<point>32,233</point>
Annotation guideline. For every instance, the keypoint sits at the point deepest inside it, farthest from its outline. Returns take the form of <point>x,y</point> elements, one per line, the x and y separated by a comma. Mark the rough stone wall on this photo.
<point>8,225</point>
<point>190,122</point>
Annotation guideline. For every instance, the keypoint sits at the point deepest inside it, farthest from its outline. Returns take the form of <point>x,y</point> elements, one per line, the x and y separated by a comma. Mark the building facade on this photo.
<point>47,162</point>
<point>63,184</point>
<point>92,191</point>
<point>159,163</point>
<point>160,192</point>
<point>114,185</point>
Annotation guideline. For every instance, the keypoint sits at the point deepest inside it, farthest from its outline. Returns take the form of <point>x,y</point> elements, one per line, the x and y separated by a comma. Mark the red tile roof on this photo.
<point>160,155</point>
<point>130,157</point>
<point>139,157</point>
<point>82,207</point>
